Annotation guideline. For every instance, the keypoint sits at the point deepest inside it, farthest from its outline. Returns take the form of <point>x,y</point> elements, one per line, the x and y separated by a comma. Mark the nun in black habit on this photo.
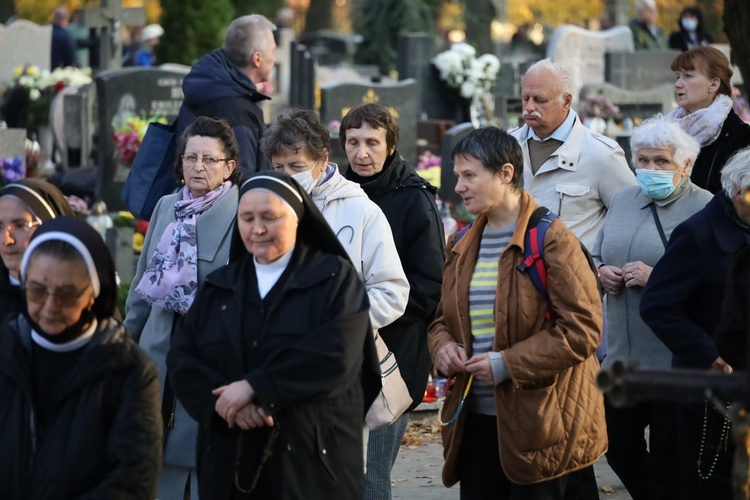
<point>276,359</point>
<point>80,400</point>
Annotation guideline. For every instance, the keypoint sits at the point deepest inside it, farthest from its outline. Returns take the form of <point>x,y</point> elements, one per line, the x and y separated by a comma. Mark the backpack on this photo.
<point>533,261</point>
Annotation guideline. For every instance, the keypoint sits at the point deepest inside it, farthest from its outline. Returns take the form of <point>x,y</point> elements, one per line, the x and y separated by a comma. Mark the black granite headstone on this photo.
<point>122,94</point>
<point>328,48</point>
<point>302,75</point>
<point>400,99</point>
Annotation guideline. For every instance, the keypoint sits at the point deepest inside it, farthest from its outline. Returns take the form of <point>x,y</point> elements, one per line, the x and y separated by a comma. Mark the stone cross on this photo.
<point>109,18</point>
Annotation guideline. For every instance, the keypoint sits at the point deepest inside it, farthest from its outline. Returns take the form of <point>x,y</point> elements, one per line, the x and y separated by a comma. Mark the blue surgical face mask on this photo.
<point>656,184</point>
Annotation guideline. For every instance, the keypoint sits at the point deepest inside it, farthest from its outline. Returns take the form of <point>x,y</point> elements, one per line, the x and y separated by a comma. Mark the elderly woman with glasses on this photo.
<point>682,306</point>
<point>635,232</point>
<point>24,205</point>
<point>189,236</point>
<point>80,400</point>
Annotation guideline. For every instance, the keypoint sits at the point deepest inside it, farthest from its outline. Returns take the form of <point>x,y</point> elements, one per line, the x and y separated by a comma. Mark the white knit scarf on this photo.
<point>704,124</point>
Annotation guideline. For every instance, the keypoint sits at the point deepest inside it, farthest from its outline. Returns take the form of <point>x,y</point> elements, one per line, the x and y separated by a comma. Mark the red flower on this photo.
<point>59,86</point>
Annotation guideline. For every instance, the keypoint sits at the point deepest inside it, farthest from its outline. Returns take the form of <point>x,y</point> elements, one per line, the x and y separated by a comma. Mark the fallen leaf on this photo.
<point>608,489</point>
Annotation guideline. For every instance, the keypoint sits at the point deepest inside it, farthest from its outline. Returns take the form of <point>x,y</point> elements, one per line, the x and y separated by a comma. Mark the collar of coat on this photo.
<point>469,243</point>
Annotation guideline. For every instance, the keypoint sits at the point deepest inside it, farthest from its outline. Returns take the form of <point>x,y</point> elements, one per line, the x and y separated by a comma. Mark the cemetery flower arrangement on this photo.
<point>12,170</point>
<point>39,87</point>
<point>462,70</point>
<point>600,106</point>
<point>129,136</point>
<point>428,167</point>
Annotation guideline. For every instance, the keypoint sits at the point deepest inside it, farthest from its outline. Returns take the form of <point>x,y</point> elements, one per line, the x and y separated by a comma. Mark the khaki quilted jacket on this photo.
<point>550,412</point>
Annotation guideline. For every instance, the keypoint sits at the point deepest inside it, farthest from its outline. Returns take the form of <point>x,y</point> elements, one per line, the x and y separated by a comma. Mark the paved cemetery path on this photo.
<point>416,475</point>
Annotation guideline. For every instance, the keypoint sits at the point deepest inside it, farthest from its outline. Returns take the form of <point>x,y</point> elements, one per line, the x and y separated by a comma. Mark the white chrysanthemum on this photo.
<point>34,94</point>
<point>464,49</point>
<point>491,63</point>
<point>467,89</point>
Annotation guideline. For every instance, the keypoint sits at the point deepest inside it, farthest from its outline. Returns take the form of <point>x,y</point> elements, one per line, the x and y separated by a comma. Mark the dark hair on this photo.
<point>709,61</point>
<point>58,249</point>
<point>694,11</point>
<point>294,129</point>
<point>218,129</point>
<point>493,147</point>
<point>375,116</point>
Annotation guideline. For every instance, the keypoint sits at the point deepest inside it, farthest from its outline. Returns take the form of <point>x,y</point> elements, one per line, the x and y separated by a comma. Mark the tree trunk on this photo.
<point>478,15</point>
<point>319,15</point>
<point>7,9</point>
<point>736,22</point>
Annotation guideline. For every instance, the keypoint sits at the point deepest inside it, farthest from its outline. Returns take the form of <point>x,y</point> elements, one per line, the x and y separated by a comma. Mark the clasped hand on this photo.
<point>236,407</point>
<point>452,359</point>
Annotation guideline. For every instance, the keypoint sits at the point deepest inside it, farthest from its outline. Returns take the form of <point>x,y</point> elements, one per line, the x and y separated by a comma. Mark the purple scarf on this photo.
<point>171,277</point>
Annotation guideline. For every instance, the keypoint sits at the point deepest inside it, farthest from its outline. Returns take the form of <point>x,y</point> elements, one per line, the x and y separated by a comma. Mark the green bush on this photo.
<point>380,22</point>
<point>192,28</point>
<point>122,297</point>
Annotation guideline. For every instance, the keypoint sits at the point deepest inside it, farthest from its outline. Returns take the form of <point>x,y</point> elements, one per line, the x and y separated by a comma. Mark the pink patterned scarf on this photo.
<point>171,277</point>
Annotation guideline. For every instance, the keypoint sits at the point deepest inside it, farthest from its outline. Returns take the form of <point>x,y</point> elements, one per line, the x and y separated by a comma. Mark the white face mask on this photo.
<point>689,23</point>
<point>305,179</point>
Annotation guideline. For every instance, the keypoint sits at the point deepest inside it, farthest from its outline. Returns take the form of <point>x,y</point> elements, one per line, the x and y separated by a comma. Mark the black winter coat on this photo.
<point>680,40</point>
<point>682,299</point>
<point>732,332</point>
<point>217,88</point>
<point>408,202</point>
<point>103,437</point>
<point>11,296</point>
<point>735,135</point>
<point>308,352</point>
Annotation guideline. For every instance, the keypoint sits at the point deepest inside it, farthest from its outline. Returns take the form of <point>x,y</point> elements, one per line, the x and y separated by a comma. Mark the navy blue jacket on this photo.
<point>217,88</point>
<point>63,48</point>
<point>682,300</point>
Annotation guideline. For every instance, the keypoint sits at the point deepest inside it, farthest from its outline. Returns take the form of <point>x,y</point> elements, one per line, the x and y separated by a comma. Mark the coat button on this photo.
<point>563,162</point>
<point>271,405</point>
<point>289,447</point>
<point>571,163</point>
<point>499,315</point>
<point>253,344</point>
<point>323,451</point>
<point>223,307</point>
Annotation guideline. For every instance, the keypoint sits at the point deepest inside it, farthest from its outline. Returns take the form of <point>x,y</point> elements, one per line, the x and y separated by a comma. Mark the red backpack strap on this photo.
<point>533,262</point>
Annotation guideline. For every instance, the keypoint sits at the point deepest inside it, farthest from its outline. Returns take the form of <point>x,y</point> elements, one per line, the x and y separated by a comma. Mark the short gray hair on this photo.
<point>735,175</point>
<point>243,38</point>
<point>659,132</point>
<point>561,76</point>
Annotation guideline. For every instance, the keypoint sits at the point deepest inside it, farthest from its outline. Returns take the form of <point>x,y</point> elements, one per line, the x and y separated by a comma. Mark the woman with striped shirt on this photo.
<point>522,410</point>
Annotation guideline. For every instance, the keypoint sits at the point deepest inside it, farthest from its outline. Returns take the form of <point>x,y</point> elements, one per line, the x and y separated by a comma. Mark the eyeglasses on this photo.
<point>65,297</point>
<point>18,226</point>
<point>209,161</point>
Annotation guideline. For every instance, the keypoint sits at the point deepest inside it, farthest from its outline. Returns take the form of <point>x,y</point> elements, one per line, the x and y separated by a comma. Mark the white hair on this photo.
<point>244,38</point>
<point>735,176</point>
<point>659,132</point>
<point>563,82</point>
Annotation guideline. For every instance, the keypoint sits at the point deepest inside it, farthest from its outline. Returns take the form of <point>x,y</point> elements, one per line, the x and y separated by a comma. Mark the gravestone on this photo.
<point>105,22</point>
<point>285,37</point>
<point>447,177</point>
<point>400,99</point>
<point>437,100</point>
<point>302,93</point>
<point>581,52</point>
<point>640,70</point>
<point>122,94</point>
<point>328,47</point>
<point>21,43</point>
<point>13,143</point>
<point>78,126</point>
<point>634,103</point>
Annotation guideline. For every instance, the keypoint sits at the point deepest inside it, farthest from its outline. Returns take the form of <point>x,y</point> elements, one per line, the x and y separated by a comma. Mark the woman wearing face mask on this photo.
<point>24,205</point>
<point>80,400</point>
<point>705,112</point>
<point>691,33</point>
<point>297,144</point>
<point>635,232</point>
